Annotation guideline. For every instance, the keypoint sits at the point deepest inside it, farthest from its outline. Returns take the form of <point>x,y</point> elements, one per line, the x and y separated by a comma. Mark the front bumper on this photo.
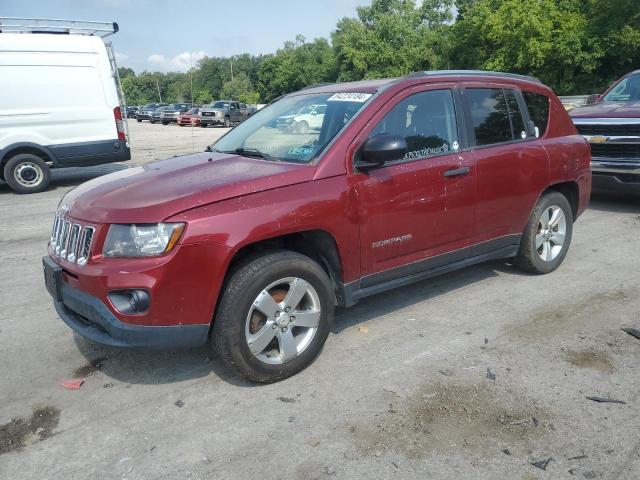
<point>91,318</point>
<point>613,175</point>
<point>212,120</point>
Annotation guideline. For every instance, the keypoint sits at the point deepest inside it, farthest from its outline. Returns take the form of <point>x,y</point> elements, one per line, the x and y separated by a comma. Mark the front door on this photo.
<point>415,209</point>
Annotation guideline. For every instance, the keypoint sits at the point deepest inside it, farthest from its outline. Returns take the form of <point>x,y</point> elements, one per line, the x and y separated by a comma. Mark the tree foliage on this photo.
<point>575,46</point>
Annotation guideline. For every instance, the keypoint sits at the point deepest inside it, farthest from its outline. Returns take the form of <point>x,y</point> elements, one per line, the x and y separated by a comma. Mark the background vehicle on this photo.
<point>156,115</point>
<point>59,102</point>
<point>611,124</point>
<point>171,114</point>
<point>310,116</point>
<point>222,112</point>
<point>268,231</point>
<point>132,110</point>
<point>145,112</point>
<point>190,117</point>
<point>248,110</point>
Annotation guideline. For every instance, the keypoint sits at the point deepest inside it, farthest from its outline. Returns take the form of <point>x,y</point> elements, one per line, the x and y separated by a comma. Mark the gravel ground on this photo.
<point>475,375</point>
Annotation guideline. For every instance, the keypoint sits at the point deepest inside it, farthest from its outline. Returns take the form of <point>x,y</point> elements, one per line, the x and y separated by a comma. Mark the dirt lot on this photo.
<point>476,375</point>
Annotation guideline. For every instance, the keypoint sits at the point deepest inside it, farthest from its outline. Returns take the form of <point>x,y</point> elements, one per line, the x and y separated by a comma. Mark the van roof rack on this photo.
<point>57,26</point>
<point>485,73</point>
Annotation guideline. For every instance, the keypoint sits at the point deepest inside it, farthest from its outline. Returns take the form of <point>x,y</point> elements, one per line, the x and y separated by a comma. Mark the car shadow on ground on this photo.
<point>73,176</point>
<point>615,203</point>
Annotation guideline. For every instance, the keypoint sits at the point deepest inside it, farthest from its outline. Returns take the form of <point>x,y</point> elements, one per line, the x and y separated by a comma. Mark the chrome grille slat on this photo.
<point>84,248</point>
<point>53,232</point>
<point>64,240</point>
<point>73,242</point>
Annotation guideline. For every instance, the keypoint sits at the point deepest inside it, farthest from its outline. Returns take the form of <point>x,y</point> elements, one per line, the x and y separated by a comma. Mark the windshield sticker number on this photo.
<point>349,97</point>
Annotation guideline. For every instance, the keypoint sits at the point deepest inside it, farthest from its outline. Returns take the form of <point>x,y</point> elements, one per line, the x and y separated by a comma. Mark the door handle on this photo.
<point>457,172</point>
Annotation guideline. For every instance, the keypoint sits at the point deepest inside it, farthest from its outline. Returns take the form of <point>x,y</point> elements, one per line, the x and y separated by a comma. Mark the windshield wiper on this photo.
<point>252,152</point>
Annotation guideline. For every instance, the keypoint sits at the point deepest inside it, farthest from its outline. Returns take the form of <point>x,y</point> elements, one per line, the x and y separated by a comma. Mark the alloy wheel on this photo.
<point>551,233</point>
<point>283,320</point>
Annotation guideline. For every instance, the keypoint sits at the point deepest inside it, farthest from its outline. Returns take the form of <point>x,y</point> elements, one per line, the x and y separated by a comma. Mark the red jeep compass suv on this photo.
<point>251,244</point>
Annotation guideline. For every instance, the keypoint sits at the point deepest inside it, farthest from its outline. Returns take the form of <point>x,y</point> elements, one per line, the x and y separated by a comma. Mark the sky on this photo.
<point>167,35</point>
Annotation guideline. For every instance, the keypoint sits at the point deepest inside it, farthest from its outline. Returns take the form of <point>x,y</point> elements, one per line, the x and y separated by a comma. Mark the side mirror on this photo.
<point>383,148</point>
<point>591,99</point>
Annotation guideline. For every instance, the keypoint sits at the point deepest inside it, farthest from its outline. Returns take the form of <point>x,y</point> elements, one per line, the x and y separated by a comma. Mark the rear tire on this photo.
<point>27,173</point>
<point>139,120</point>
<point>546,239</point>
<point>268,347</point>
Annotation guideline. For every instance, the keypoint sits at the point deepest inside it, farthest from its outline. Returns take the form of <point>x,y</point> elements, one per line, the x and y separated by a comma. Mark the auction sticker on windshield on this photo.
<point>349,97</point>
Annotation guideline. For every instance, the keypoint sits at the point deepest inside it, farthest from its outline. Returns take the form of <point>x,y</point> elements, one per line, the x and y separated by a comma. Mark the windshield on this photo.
<point>192,111</point>
<point>220,105</point>
<point>627,90</point>
<point>277,133</point>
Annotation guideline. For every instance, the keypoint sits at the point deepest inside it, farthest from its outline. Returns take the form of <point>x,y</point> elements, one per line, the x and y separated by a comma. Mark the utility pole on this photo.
<point>158,86</point>
<point>231,60</point>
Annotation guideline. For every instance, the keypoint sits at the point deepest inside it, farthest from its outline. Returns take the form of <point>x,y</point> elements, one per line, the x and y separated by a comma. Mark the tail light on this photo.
<point>117,114</point>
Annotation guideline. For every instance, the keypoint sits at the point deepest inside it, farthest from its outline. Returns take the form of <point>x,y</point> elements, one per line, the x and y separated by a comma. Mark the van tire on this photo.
<point>27,173</point>
<point>530,256</point>
<point>243,288</point>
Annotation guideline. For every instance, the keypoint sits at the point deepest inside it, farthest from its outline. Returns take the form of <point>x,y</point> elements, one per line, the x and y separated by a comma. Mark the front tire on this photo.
<point>227,123</point>
<point>139,120</point>
<point>546,239</point>
<point>27,173</point>
<point>274,316</point>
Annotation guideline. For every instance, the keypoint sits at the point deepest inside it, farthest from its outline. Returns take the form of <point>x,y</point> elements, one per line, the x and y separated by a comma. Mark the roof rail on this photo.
<point>485,73</point>
<point>57,26</point>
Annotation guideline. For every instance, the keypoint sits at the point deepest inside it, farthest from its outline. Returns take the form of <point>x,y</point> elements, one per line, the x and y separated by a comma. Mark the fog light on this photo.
<point>130,302</point>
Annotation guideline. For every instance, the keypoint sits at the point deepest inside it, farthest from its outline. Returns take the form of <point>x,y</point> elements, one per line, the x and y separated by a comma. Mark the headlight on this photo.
<point>141,240</point>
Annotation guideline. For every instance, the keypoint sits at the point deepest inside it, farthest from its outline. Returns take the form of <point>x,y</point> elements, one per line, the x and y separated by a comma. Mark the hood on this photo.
<point>608,110</point>
<point>158,190</point>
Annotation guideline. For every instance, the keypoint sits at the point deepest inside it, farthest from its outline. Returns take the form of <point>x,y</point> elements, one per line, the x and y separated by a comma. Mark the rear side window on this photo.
<point>427,121</point>
<point>495,115</point>
<point>538,106</point>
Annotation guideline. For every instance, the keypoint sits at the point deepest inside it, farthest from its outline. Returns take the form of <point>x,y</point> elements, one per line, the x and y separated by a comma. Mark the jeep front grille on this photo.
<point>71,241</point>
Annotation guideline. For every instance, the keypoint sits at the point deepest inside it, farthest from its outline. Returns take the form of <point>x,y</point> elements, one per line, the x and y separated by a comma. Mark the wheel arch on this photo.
<point>26,147</point>
<point>571,191</point>
<point>318,245</point>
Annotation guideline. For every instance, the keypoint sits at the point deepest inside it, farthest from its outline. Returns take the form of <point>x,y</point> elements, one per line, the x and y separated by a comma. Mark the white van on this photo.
<point>59,101</point>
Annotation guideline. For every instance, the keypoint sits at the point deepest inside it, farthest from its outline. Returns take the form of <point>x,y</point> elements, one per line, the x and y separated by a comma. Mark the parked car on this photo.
<point>251,244</point>
<point>173,112</point>
<point>131,111</point>
<point>59,104</point>
<point>156,115</point>
<point>223,113</point>
<point>190,117</point>
<point>611,124</point>
<point>145,112</point>
<point>309,117</point>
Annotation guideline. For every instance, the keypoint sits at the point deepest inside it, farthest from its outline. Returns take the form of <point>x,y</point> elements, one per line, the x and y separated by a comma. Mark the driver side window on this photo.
<point>427,121</point>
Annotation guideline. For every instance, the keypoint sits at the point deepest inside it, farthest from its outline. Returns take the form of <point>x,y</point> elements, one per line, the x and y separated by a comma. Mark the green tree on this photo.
<point>392,38</point>
<point>296,65</point>
<point>546,38</point>
<point>240,89</point>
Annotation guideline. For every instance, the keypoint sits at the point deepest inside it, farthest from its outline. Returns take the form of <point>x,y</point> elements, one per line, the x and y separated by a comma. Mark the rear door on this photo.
<point>415,209</point>
<point>511,164</point>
